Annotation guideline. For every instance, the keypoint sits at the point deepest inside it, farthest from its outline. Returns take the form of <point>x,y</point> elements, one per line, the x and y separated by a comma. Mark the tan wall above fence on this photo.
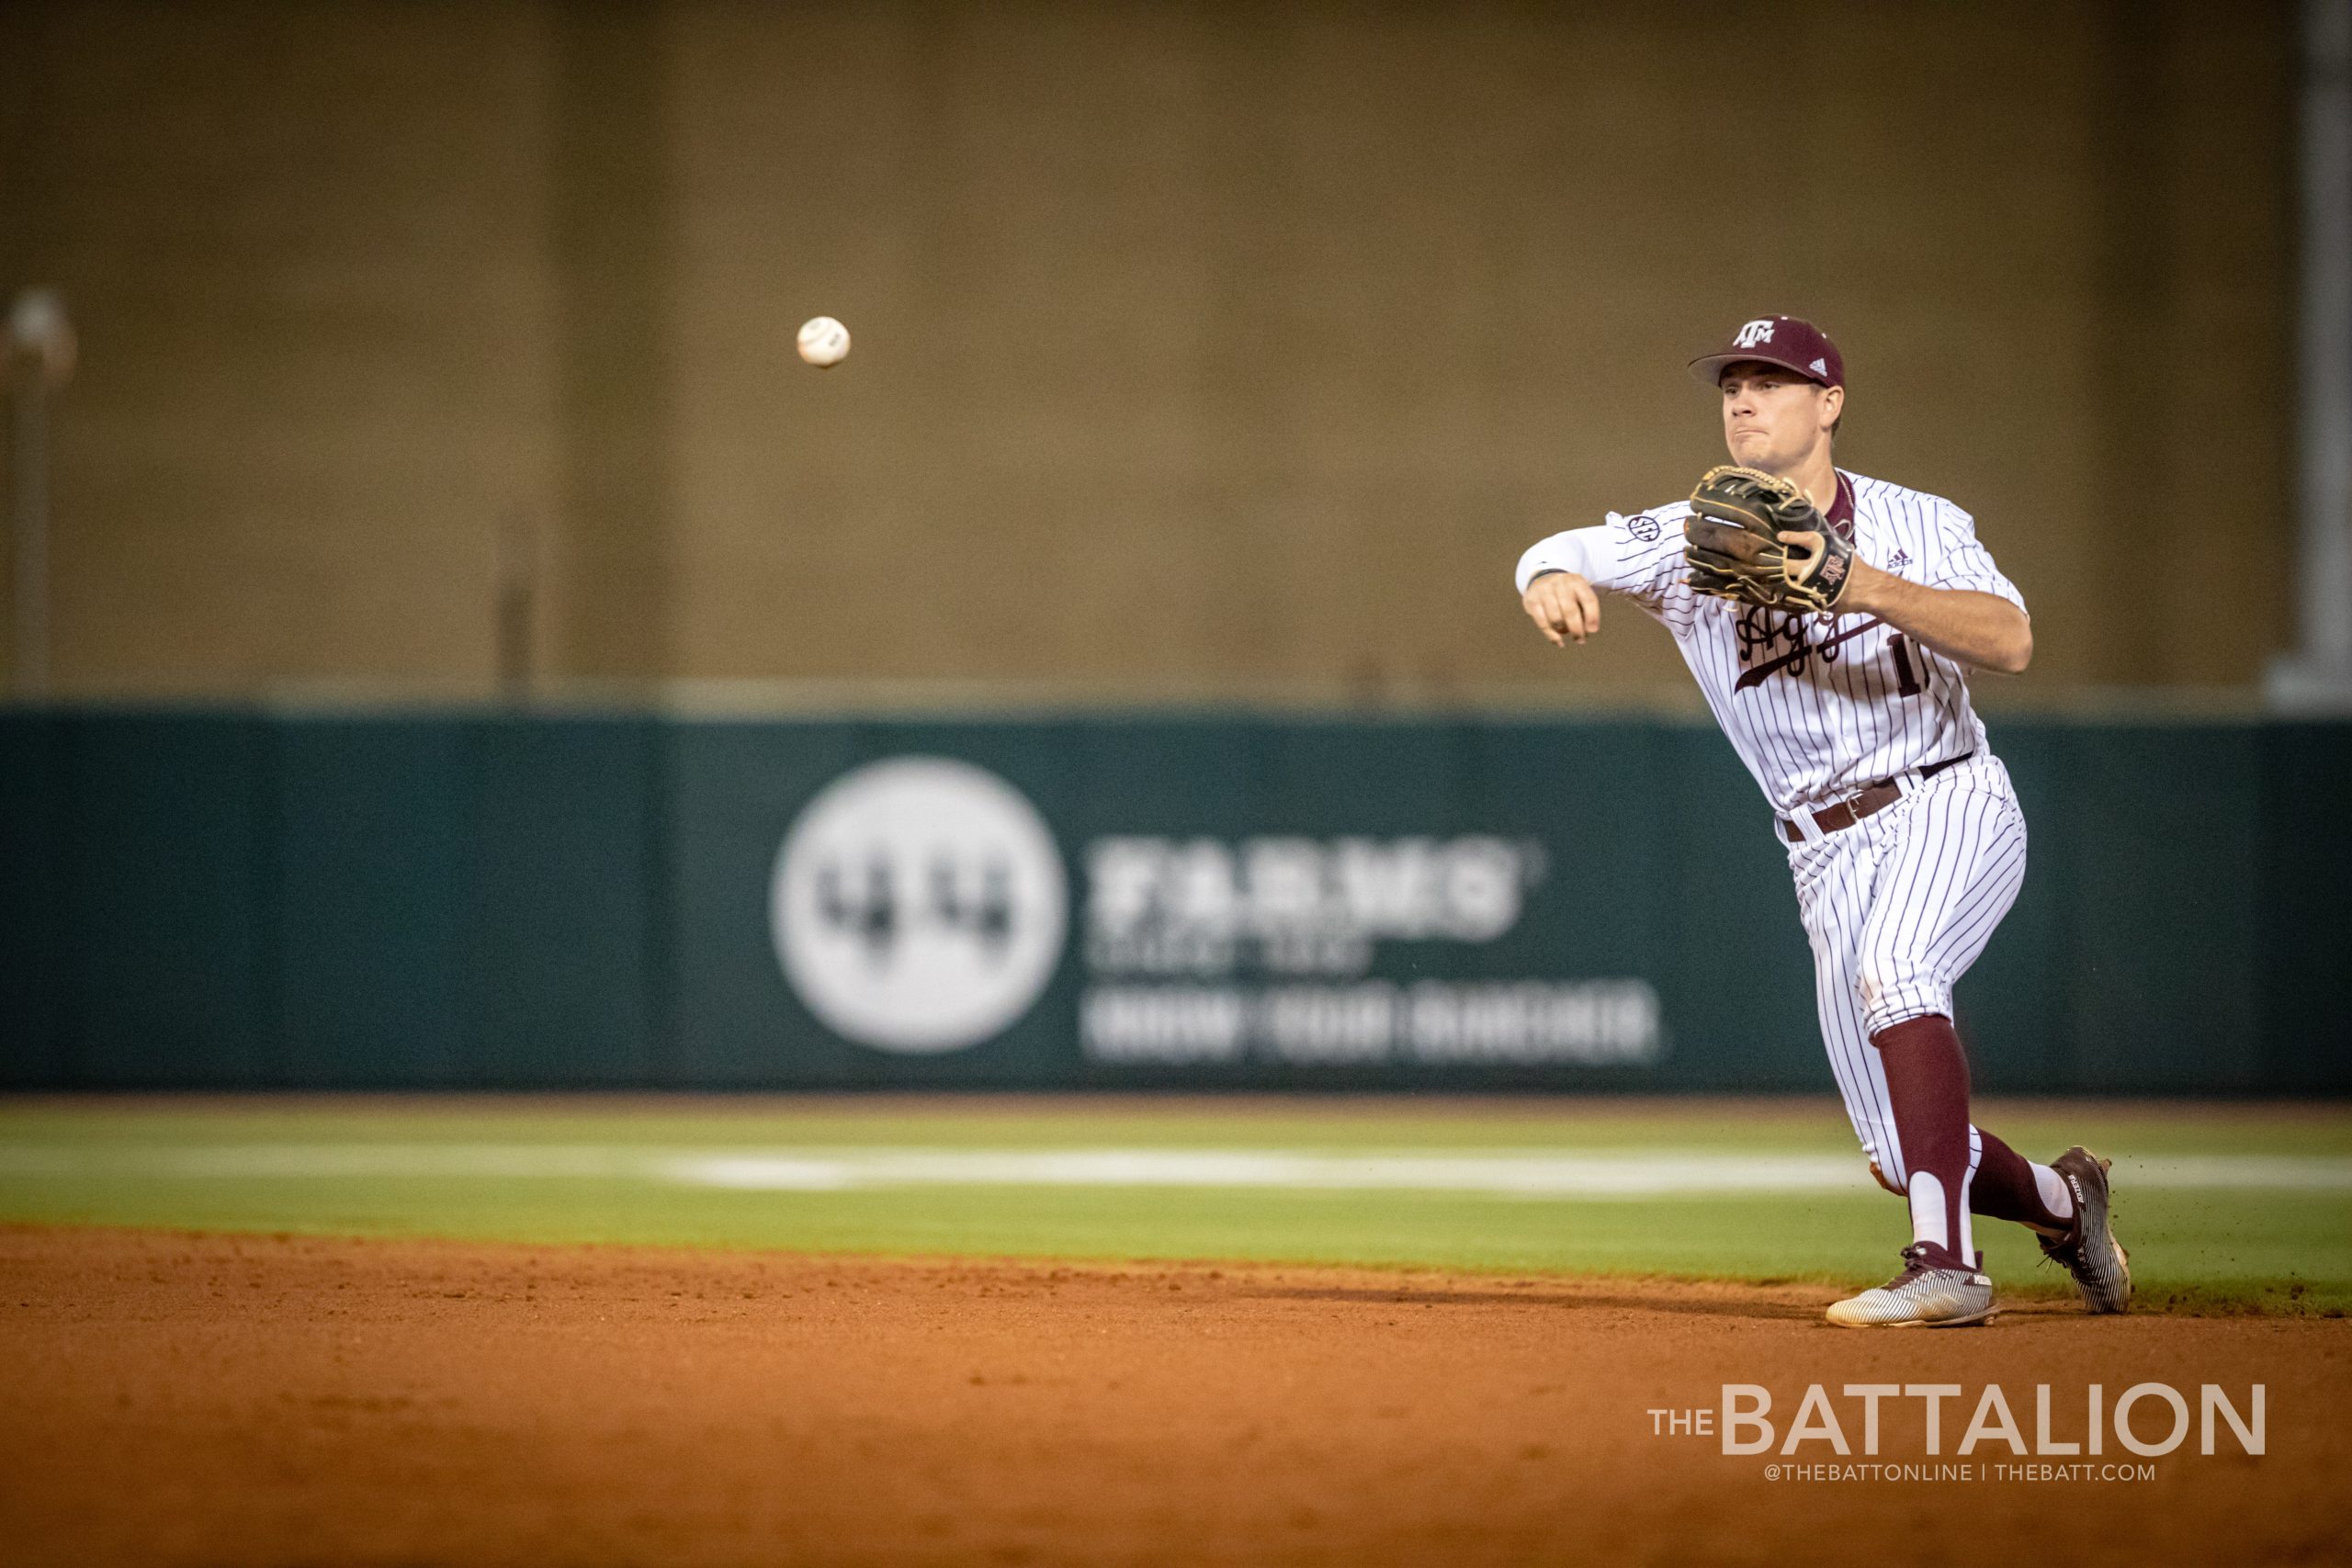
<point>1198,349</point>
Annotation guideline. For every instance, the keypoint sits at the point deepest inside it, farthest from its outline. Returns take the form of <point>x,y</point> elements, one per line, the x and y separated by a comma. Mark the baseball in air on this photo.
<point>824,342</point>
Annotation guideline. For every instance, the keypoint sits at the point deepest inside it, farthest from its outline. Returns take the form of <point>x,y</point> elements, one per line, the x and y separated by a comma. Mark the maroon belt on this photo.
<point>1869,802</point>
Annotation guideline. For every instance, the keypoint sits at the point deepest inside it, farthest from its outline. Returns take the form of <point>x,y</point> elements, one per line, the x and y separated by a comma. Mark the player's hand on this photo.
<point>1861,584</point>
<point>1563,606</point>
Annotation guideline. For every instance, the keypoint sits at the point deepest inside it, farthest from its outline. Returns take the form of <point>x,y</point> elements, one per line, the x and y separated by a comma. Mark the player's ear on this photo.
<point>1833,404</point>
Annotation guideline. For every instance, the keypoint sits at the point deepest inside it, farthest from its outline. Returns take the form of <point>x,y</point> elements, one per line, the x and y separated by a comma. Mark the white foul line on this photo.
<point>1633,1173</point>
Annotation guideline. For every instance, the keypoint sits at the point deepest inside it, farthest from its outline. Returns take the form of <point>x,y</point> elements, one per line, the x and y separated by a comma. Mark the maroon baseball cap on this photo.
<point>1784,341</point>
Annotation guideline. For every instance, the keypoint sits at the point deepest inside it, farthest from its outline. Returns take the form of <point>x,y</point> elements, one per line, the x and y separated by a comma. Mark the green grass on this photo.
<point>94,1162</point>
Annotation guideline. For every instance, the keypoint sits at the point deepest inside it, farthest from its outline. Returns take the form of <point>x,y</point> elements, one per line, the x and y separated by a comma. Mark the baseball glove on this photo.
<point>1732,544</point>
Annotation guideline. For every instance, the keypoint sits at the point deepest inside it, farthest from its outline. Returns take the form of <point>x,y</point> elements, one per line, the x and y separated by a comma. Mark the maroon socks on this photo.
<point>2011,1187</point>
<point>1952,1168</point>
<point>1926,1082</point>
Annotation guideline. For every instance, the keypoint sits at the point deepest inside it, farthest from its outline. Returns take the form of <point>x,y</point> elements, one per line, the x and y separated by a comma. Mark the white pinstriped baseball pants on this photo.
<point>1897,907</point>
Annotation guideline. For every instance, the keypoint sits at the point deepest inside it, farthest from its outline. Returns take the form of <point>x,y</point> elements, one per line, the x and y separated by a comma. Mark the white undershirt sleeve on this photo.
<point>1640,556</point>
<point>1571,552</point>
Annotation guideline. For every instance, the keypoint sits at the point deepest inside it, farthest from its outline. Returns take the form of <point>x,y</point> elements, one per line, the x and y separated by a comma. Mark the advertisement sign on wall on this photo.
<point>919,906</point>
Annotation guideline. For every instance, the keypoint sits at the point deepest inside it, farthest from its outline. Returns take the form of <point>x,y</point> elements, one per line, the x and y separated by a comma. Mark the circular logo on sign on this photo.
<point>919,905</point>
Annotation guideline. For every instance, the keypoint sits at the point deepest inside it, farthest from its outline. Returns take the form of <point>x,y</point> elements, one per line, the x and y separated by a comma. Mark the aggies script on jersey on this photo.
<point>1777,642</point>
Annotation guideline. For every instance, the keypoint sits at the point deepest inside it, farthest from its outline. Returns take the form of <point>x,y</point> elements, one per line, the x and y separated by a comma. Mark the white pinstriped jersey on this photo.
<point>1818,707</point>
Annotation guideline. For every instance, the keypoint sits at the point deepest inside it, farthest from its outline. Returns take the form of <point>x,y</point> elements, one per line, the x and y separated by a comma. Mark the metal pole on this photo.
<point>2319,673</point>
<point>40,357</point>
<point>515,549</point>
<point>29,463</point>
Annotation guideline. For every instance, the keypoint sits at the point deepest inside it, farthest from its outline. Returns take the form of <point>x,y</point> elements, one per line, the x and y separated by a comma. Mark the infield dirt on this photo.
<point>173,1398</point>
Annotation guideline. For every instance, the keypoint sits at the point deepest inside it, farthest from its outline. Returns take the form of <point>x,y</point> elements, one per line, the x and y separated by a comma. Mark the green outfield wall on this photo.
<point>249,899</point>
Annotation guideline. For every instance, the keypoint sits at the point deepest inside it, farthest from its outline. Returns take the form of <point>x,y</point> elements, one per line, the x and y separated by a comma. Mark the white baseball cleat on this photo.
<point>1923,1296</point>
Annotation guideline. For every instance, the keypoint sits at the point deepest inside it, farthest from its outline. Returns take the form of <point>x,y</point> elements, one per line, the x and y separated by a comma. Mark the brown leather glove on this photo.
<point>1734,546</point>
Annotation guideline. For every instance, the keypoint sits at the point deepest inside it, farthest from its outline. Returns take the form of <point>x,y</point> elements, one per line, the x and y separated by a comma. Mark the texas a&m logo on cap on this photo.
<point>1788,342</point>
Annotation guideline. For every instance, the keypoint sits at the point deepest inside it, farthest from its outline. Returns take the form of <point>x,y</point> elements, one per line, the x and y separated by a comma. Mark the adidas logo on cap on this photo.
<point>1821,367</point>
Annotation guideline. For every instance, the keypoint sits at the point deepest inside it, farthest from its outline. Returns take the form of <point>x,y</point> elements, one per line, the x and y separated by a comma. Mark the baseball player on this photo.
<point>1831,621</point>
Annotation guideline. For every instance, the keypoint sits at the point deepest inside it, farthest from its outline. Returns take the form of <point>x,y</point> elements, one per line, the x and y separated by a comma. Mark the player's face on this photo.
<point>1773,419</point>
